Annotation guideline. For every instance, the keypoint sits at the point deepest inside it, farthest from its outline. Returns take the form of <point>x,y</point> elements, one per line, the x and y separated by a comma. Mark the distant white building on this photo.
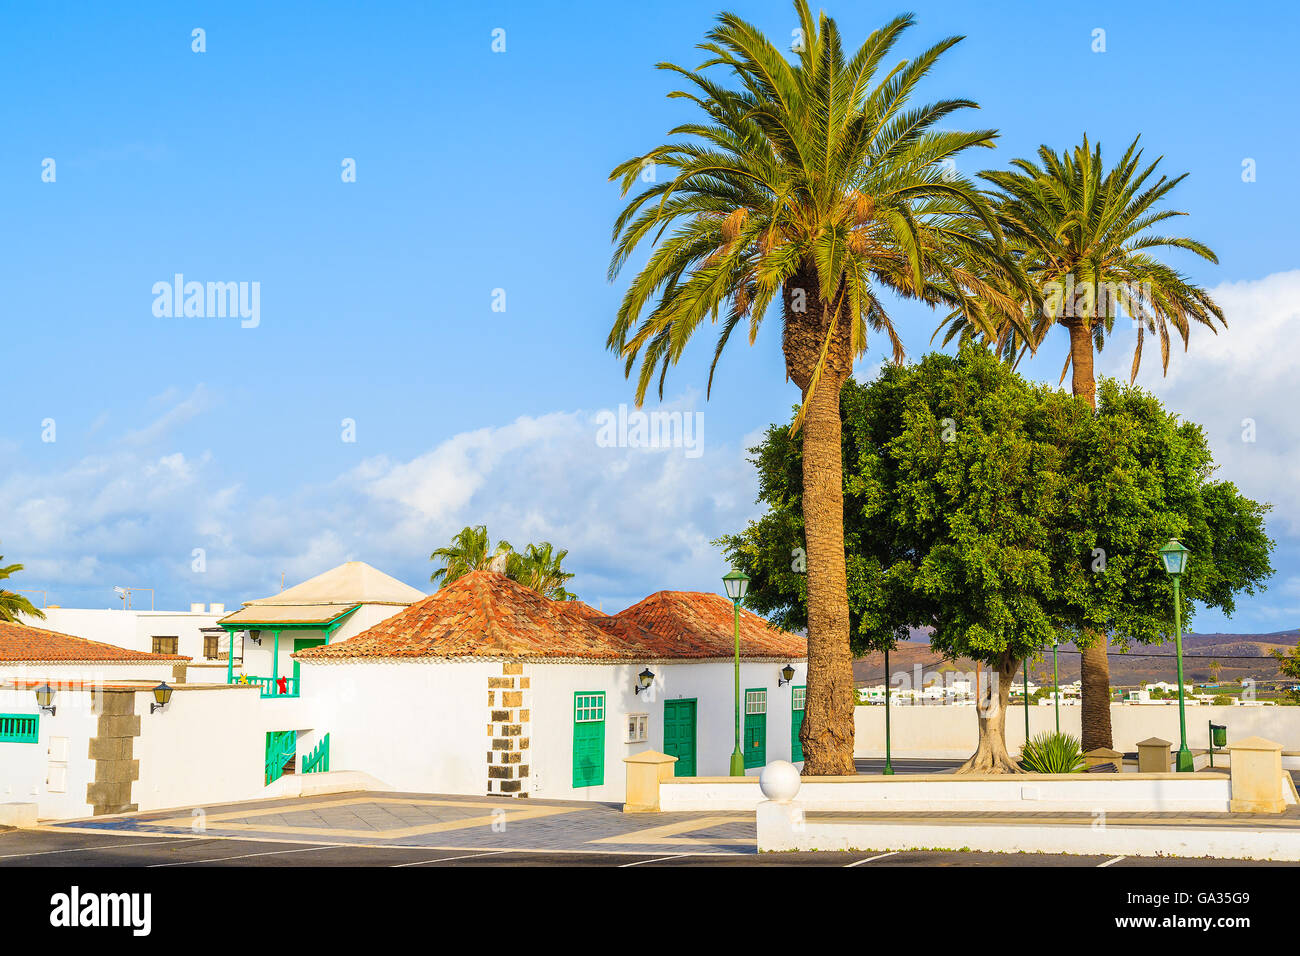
<point>193,633</point>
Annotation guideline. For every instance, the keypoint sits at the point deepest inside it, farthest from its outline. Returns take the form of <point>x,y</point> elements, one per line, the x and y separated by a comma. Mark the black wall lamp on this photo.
<point>45,698</point>
<point>161,694</point>
<point>787,675</point>
<point>644,680</point>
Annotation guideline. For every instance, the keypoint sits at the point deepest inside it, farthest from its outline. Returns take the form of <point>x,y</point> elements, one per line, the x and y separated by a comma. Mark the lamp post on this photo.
<point>1056,686</point>
<point>889,767</point>
<point>1026,700</point>
<point>737,583</point>
<point>1174,558</point>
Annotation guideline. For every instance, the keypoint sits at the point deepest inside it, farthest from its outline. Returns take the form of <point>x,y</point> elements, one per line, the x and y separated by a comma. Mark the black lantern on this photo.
<point>787,675</point>
<point>162,693</point>
<point>644,680</point>
<point>45,698</point>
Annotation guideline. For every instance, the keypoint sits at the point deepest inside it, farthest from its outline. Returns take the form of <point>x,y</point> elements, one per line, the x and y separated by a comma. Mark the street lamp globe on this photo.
<point>737,584</point>
<point>1174,557</point>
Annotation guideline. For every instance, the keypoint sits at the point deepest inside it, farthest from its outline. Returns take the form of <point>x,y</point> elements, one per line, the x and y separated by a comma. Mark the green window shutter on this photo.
<point>755,739</point>
<point>20,728</point>
<point>588,739</point>
<point>797,699</point>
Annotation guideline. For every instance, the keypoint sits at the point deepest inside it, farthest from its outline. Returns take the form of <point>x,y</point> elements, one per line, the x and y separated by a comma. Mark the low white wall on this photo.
<point>952,732</point>
<point>924,792</point>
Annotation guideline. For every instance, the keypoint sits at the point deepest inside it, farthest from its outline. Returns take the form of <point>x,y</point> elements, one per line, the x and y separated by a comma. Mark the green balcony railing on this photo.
<point>272,686</point>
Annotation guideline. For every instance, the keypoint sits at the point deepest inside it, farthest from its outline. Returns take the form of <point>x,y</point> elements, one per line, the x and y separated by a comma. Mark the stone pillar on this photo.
<point>1256,776</point>
<point>1095,758</point>
<point>507,730</point>
<point>1153,755</point>
<point>112,748</point>
<point>645,771</point>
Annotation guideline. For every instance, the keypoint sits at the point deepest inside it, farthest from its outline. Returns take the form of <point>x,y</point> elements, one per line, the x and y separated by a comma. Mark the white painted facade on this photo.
<point>259,658</point>
<point>422,725</point>
<point>135,630</point>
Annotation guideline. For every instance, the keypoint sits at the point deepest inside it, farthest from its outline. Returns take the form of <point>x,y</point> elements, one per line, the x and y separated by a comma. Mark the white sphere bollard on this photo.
<point>779,781</point>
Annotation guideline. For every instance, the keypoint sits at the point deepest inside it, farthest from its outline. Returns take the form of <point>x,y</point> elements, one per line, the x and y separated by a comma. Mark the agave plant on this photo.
<point>1052,753</point>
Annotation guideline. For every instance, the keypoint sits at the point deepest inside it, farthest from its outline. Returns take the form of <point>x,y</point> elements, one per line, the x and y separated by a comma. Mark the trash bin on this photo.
<point>1219,736</point>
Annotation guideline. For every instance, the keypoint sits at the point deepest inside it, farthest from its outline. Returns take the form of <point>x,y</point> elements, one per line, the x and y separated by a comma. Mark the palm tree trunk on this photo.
<point>1094,667</point>
<point>991,752</point>
<point>827,731</point>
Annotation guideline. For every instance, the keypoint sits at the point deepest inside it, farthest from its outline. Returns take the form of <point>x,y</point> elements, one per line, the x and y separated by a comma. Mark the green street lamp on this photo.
<point>737,584</point>
<point>1056,686</point>
<point>1026,700</point>
<point>1174,558</point>
<point>889,767</point>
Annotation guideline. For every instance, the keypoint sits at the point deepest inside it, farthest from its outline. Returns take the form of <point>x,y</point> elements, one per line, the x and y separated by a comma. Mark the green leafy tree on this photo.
<point>12,604</point>
<point>1088,239</point>
<point>470,550</point>
<point>812,180</point>
<point>538,567</point>
<point>975,505</point>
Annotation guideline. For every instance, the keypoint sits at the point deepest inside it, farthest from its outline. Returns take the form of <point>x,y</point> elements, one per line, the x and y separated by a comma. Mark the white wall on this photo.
<point>416,725</point>
<point>24,767</point>
<point>97,673</point>
<point>132,629</point>
<point>952,732</point>
<point>258,659</point>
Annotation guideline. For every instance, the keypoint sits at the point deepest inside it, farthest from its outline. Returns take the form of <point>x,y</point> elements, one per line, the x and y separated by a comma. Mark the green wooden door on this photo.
<point>588,739</point>
<point>679,735</point>
<point>755,738</point>
<point>797,697</point>
<point>301,644</point>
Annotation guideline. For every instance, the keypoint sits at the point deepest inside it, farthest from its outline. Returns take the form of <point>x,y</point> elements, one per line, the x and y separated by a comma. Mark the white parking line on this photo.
<point>1109,862</point>
<point>444,859</point>
<point>870,858</point>
<point>245,856</point>
<point>675,856</point>
<point>83,849</point>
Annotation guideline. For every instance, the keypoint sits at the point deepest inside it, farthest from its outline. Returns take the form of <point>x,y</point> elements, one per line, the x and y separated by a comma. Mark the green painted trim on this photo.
<point>589,742</point>
<point>694,709</point>
<point>796,721</point>
<point>273,625</point>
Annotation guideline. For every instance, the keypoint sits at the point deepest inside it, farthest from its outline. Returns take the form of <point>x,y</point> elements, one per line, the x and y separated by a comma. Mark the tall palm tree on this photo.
<point>470,550</point>
<point>13,604</point>
<point>1082,234</point>
<point>538,567</point>
<point>814,181</point>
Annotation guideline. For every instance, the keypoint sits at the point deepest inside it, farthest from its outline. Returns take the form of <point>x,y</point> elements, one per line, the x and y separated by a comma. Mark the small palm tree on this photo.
<point>1082,235</point>
<point>13,604</point>
<point>470,550</point>
<point>538,567</point>
<point>812,182</point>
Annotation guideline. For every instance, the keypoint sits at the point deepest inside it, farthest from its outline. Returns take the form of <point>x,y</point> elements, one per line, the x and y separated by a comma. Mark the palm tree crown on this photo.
<point>12,604</point>
<point>538,567</point>
<point>470,550</point>
<point>1082,235</point>
<point>812,177</point>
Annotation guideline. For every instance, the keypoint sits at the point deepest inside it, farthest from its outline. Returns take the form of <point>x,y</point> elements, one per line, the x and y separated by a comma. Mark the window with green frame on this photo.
<point>20,728</point>
<point>588,738</point>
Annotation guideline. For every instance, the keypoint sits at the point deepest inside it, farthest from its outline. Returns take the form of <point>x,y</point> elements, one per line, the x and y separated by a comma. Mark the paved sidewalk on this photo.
<point>445,822</point>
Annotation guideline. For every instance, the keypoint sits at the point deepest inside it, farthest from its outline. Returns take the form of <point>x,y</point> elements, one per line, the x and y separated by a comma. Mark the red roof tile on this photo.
<point>485,614</point>
<point>20,642</point>
<point>702,624</point>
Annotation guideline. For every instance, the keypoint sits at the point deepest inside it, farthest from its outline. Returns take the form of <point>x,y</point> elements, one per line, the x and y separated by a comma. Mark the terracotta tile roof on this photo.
<point>485,614</point>
<point>482,614</point>
<point>701,624</point>
<point>20,642</point>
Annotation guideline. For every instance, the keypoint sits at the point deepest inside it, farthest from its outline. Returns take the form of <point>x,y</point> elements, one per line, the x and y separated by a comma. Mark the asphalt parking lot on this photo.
<point>55,848</point>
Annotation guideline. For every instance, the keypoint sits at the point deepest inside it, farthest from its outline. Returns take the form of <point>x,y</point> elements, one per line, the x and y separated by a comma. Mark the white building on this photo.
<point>331,607</point>
<point>193,633</point>
<point>488,687</point>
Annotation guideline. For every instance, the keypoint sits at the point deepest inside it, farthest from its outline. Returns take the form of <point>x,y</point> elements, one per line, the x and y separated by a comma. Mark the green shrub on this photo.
<point>1052,753</point>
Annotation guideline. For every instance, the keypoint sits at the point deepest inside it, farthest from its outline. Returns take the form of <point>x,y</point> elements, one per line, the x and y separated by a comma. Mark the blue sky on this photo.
<point>479,171</point>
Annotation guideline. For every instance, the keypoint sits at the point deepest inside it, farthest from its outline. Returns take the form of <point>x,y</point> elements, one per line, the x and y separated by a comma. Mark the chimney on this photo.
<point>216,609</point>
<point>196,608</point>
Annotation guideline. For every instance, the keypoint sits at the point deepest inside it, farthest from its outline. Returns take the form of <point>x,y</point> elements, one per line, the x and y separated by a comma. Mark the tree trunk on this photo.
<point>991,709</point>
<point>1094,667</point>
<point>827,731</point>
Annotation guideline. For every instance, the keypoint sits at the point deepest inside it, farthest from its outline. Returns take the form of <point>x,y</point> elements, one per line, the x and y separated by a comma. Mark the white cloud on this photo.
<point>1245,372</point>
<point>633,519</point>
